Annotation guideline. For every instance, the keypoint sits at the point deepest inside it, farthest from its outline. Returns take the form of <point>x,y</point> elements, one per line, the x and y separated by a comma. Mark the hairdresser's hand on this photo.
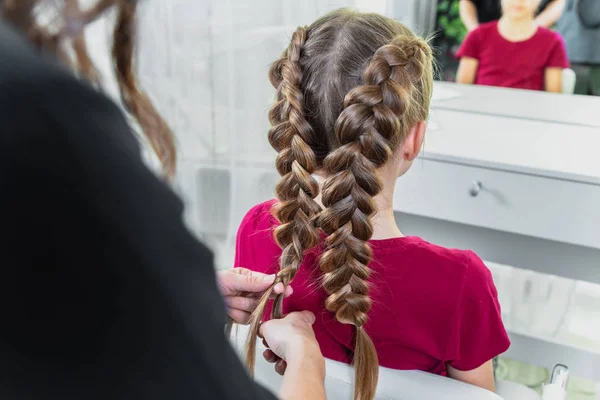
<point>290,341</point>
<point>242,288</point>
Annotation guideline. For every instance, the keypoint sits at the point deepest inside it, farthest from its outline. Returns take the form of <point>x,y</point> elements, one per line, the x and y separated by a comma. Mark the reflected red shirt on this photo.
<point>431,305</point>
<point>519,65</point>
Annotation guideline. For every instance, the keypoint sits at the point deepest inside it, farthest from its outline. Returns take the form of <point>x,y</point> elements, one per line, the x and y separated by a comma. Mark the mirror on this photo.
<point>549,45</point>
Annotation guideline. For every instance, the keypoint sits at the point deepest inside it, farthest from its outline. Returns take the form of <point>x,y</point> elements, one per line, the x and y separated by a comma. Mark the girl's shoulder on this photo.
<point>419,249</point>
<point>255,247</point>
<point>486,30</point>
<point>260,216</point>
<point>444,270</point>
<point>548,36</point>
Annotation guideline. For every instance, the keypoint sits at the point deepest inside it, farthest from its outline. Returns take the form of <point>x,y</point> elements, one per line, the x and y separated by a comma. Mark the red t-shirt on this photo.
<point>431,305</point>
<point>518,65</point>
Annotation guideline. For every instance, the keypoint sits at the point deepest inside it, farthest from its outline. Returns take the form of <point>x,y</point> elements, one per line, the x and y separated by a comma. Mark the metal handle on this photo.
<point>475,188</point>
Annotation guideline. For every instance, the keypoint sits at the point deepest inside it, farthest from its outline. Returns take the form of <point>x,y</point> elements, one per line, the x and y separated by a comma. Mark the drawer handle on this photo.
<point>475,189</point>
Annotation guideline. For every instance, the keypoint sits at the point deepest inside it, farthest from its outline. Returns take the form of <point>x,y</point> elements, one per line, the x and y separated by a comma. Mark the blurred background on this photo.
<point>205,64</point>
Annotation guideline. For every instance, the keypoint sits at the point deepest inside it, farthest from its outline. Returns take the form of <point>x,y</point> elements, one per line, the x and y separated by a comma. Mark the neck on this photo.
<point>517,28</point>
<point>384,221</point>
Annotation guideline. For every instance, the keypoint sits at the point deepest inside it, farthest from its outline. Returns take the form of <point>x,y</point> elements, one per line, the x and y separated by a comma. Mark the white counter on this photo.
<point>516,103</point>
<point>524,146</point>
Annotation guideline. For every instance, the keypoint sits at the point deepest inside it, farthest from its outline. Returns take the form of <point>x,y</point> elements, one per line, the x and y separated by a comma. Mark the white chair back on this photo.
<point>393,384</point>
<point>569,78</point>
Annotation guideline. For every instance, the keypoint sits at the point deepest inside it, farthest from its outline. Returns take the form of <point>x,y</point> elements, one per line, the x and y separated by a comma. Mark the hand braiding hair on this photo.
<point>293,138</point>
<point>370,121</point>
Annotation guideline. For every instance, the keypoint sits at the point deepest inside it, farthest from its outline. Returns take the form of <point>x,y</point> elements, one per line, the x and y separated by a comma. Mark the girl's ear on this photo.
<point>414,141</point>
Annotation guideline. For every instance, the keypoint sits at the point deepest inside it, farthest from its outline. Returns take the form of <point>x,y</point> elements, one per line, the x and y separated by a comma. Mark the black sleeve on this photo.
<point>104,294</point>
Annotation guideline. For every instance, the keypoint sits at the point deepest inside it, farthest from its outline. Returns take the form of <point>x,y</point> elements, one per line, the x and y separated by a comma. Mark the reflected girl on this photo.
<point>514,52</point>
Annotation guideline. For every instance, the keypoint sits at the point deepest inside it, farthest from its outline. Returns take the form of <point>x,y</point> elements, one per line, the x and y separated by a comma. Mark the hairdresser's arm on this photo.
<point>305,374</point>
<point>551,13</point>
<point>296,354</point>
<point>468,14</point>
<point>553,80</point>
<point>467,70</point>
<point>482,376</point>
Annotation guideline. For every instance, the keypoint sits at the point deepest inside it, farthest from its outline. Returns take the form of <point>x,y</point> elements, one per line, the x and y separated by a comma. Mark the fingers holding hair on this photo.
<point>245,282</point>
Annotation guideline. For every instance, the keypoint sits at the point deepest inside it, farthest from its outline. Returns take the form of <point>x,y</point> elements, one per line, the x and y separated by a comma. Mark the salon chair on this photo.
<point>569,78</point>
<point>395,384</point>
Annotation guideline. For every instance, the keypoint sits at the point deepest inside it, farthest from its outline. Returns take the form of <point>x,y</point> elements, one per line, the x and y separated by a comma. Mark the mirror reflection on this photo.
<point>549,45</point>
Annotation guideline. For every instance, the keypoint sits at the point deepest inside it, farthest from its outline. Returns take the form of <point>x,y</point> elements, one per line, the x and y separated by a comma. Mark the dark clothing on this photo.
<point>104,294</point>
<point>588,79</point>
<point>487,10</point>
<point>491,10</point>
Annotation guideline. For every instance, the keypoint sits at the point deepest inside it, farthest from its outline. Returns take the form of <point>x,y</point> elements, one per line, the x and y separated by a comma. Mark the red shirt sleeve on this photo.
<point>478,334</point>
<point>249,230</point>
<point>244,256</point>
<point>471,46</point>
<point>558,56</point>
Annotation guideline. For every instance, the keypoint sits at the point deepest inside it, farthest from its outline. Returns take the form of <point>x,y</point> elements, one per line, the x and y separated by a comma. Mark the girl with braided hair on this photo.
<point>352,98</point>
